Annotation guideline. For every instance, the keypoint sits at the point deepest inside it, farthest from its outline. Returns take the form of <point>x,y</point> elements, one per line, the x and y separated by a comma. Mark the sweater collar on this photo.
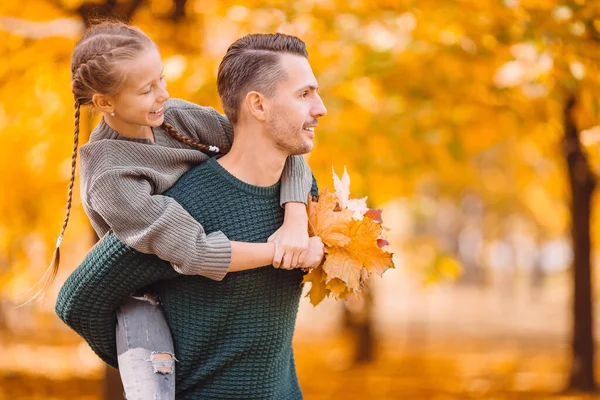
<point>103,131</point>
<point>261,191</point>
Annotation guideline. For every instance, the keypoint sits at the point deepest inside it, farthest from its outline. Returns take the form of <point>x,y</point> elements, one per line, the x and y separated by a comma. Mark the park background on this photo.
<point>474,125</point>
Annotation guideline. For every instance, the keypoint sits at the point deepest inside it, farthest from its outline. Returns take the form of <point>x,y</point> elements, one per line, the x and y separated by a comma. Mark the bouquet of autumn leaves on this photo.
<point>352,235</point>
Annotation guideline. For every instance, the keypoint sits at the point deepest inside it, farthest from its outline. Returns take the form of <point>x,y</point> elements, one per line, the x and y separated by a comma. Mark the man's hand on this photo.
<point>314,254</point>
<point>291,240</point>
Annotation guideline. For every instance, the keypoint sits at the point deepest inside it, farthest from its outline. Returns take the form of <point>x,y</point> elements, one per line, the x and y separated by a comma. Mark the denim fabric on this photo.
<point>142,332</point>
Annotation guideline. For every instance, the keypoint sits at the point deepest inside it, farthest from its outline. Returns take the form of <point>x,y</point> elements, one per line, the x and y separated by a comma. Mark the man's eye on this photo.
<point>304,94</point>
<point>147,91</point>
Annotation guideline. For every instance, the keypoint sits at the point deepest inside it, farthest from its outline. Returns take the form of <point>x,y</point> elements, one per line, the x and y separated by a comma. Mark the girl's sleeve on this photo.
<point>296,181</point>
<point>202,124</point>
<point>156,224</point>
<point>206,125</point>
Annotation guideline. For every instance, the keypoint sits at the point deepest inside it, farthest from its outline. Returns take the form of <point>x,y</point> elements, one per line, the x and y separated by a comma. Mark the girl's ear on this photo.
<point>103,103</point>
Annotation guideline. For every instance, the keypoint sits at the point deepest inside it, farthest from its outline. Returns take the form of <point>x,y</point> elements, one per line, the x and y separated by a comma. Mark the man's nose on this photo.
<point>319,109</point>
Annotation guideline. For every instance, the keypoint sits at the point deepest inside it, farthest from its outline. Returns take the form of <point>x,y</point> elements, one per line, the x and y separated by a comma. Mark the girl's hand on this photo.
<point>291,240</point>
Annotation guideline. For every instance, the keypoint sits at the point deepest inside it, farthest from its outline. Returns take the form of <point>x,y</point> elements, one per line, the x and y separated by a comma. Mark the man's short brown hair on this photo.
<point>253,63</point>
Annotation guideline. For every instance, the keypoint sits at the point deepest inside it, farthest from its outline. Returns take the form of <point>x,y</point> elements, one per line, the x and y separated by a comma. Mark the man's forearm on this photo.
<point>246,256</point>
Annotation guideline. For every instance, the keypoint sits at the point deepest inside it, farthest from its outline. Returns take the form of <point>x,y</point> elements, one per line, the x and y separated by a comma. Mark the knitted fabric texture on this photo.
<point>233,338</point>
<point>122,180</point>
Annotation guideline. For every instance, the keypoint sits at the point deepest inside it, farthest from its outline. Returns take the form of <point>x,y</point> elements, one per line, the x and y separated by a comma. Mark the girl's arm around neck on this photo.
<point>157,224</point>
<point>245,256</point>
<point>199,123</point>
<point>296,181</point>
<point>206,125</point>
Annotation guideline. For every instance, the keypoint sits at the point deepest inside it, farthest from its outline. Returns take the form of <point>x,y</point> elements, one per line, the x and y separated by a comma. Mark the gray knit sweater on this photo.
<point>122,181</point>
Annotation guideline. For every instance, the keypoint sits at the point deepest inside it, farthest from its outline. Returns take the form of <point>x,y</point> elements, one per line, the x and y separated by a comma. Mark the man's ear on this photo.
<point>256,105</point>
<point>103,103</point>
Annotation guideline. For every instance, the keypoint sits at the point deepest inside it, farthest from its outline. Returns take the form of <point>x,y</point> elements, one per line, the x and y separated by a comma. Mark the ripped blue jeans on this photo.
<point>145,350</point>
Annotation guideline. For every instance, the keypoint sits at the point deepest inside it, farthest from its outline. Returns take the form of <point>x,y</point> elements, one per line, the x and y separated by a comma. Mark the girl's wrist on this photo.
<point>295,212</point>
<point>273,250</point>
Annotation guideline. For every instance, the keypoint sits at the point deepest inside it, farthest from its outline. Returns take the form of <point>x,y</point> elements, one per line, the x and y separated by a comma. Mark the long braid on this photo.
<point>192,143</point>
<point>44,283</point>
<point>72,180</point>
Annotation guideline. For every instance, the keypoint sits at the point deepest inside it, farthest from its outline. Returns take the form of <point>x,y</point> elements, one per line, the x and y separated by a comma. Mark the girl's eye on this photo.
<point>147,91</point>
<point>162,77</point>
<point>304,94</point>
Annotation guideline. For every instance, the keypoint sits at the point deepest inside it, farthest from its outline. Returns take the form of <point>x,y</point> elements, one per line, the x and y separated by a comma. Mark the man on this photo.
<point>233,338</point>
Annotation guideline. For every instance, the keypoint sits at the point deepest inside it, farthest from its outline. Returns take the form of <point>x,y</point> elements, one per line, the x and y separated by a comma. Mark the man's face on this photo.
<point>295,107</point>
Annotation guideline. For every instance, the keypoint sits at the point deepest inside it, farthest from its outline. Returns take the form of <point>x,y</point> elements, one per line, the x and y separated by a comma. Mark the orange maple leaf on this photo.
<point>352,250</point>
<point>362,252</point>
<point>318,290</point>
<point>327,223</point>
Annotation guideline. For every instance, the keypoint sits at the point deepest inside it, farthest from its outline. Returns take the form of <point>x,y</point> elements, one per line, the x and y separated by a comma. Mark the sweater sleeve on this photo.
<point>296,181</point>
<point>202,124</point>
<point>157,224</point>
<point>206,125</point>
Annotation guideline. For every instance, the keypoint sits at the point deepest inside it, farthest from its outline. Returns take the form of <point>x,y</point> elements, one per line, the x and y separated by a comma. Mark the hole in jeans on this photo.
<point>163,363</point>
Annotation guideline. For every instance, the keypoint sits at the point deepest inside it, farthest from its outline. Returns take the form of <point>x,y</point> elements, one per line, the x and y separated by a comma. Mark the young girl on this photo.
<point>143,144</point>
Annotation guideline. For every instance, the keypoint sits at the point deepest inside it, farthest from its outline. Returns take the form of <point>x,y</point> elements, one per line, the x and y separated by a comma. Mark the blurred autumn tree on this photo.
<point>485,97</point>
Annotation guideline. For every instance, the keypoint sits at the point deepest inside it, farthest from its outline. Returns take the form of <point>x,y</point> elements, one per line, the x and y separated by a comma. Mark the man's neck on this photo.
<point>253,159</point>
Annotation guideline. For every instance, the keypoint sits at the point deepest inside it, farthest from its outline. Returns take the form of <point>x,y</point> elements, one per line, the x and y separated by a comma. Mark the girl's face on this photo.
<point>140,101</point>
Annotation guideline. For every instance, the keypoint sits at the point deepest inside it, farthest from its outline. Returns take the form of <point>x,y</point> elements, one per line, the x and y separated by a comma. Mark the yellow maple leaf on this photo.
<point>327,221</point>
<point>340,264</point>
<point>318,290</point>
<point>347,263</point>
<point>338,288</point>
<point>352,251</point>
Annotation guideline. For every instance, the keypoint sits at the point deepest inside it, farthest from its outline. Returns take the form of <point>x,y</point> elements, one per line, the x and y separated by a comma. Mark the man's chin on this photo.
<point>295,148</point>
<point>304,149</point>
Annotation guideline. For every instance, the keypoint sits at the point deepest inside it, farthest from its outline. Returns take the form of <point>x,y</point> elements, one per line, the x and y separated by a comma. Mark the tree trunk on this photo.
<point>112,388</point>
<point>582,183</point>
<point>3,325</point>
<point>179,10</point>
<point>358,319</point>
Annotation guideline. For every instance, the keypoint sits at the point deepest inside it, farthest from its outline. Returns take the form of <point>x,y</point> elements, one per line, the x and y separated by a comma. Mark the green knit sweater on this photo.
<point>233,338</point>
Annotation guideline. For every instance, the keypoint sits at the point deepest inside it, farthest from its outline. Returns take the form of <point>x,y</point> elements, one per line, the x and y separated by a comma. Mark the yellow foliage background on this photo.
<point>431,104</point>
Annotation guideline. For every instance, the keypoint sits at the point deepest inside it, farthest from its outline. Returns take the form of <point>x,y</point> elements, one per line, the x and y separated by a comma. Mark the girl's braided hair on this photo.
<point>95,69</point>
